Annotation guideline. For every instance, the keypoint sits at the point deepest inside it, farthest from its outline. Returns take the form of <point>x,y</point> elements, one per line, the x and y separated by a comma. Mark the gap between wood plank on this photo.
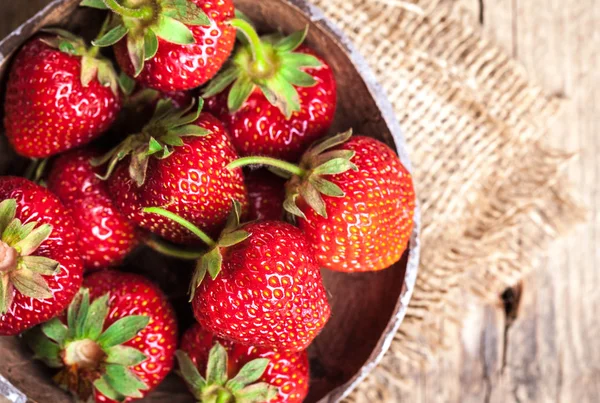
<point>481,11</point>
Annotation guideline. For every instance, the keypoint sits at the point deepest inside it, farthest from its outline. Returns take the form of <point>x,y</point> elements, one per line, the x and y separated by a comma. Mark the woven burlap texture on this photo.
<point>491,191</point>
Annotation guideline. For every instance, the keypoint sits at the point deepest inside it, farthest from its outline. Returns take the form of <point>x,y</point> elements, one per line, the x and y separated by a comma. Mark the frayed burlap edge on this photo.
<point>492,192</point>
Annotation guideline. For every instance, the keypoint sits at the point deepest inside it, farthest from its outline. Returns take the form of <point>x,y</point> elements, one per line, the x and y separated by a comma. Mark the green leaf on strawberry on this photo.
<point>147,21</point>
<point>306,179</point>
<point>97,356</point>
<point>93,65</point>
<point>216,387</point>
<point>270,64</point>
<point>20,268</point>
<point>157,139</point>
<point>211,261</point>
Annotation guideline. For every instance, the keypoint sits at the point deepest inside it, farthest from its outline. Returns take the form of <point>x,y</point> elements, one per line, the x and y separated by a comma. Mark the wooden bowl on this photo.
<point>367,309</point>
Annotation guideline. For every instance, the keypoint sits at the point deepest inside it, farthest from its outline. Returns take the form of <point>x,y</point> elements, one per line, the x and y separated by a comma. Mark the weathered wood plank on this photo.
<point>553,349</point>
<point>550,352</point>
<point>499,22</point>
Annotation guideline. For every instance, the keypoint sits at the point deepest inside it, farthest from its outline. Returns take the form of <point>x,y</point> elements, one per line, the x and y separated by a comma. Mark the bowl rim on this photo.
<point>378,94</point>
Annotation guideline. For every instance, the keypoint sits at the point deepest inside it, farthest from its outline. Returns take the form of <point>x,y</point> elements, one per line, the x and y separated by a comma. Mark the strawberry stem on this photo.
<point>260,66</point>
<point>272,162</point>
<point>171,251</point>
<point>183,222</point>
<point>142,13</point>
<point>8,258</point>
<point>36,169</point>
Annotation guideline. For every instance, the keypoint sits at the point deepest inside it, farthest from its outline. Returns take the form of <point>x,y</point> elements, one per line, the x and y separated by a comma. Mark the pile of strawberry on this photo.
<point>211,115</point>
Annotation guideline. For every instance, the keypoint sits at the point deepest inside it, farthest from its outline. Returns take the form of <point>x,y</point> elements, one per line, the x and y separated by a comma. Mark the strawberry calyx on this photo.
<point>141,98</point>
<point>90,358</point>
<point>217,387</point>
<point>157,139</point>
<point>268,63</point>
<point>93,64</point>
<point>306,179</point>
<point>211,261</point>
<point>144,21</point>
<point>20,268</point>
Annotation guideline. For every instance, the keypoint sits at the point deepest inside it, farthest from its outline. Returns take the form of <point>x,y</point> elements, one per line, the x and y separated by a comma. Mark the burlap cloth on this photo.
<point>491,191</point>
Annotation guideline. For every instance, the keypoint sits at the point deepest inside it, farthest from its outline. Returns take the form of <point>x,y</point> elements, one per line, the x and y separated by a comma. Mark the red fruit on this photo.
<point>106,237</point>
<point>40,268</point>
<point>260,128</point>
<point>361,217</point>
<point>266,194</point>
<point>186,55</point>
<point>268,292</point>
<point>186,174</point>
<point>264,116</point>
<point>52,104</point>
<point>117,341</point>
<point>288,372</point>
<point>369,228</point>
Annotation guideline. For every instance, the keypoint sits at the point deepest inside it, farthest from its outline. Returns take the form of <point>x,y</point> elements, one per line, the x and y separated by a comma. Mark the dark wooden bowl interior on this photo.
<point>363,305</point>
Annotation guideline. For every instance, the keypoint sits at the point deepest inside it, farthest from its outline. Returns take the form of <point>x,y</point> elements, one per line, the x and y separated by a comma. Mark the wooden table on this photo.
<point>546,347</point>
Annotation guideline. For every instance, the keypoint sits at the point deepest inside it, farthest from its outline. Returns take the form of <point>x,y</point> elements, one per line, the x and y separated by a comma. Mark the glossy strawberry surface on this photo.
<point>182,67</point>
<point>34,203</point>
<point>193,183</point>
<point>269,292</point>
<point>288,372</point>
<point>131,294</point>
<point>260,128</point>
<point>47,109</point>
<point>369,228</point>
<point>266,193</point>
<point>106,236</point>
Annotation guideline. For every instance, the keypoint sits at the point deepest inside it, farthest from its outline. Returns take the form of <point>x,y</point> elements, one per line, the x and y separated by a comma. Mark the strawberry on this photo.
<point>178,161</point>
<point>170,44</point>
<point>286,373</point>
<point>265,288</point>
<point>266,194</point>
<point>116,343</point>
<point>361,217</point>
<point>276,96</point>
<point>40,268</point>
<point>106,237</point>
<point>59,95</point>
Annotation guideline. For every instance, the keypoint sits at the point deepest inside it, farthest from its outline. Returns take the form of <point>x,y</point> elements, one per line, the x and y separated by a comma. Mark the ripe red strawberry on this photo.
<point>59,95</point>
<point>266,194</point>
<point>178,162</point>
<point>364,218</point>
<point>106,237</point>
<point>283,99</point>
<point>116,343</point>
<point>265,288</point>
<point>287,373</point>
<point>171,45</point>
<point>40,268</point>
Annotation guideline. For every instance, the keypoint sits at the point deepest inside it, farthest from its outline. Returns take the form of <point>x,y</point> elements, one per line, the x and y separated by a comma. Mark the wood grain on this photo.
<point>550,351</point>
